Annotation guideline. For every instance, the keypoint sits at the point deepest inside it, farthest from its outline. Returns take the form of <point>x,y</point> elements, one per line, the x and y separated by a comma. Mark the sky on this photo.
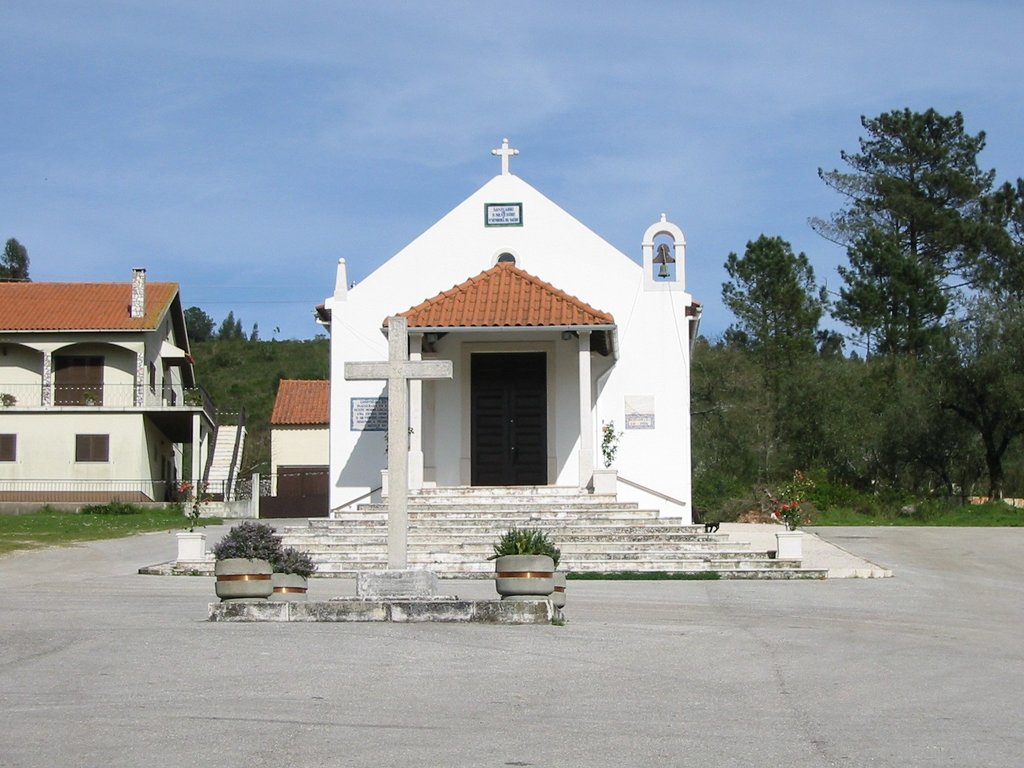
<point>241,148</point>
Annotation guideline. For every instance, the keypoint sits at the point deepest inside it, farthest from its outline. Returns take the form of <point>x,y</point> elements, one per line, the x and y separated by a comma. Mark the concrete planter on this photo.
<point>191,546</point>
<point>242,579</point>
<point>605,481</point>
<point>790,545</point>
<point>558,596</point>
<point>524,577</point>
<point>288,587</point>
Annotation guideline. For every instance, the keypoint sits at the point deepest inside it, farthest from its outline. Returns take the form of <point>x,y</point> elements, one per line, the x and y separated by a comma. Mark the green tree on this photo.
<point>913,189</point>
<point>777,304</point>
<point>982,379</point>
<point>1002,276</point>
<point>894,301</point>
<point>230,328</point>
<point>727,411</point>
<point>773,294</point>
<point>14,266</point>
<point>199,324</point>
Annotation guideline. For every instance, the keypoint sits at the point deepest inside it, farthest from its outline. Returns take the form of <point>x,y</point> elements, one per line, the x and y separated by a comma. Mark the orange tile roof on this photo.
<point>504,296</point>
<point>80,306</point>
<point>302,402</point>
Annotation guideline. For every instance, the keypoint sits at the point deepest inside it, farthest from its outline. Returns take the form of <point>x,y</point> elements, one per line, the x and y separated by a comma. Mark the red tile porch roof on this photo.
<point>504,296</point>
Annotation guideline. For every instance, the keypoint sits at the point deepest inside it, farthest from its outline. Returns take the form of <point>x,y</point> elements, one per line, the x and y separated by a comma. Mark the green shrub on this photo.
<point>291,560</point>
<point>250,541</point>
<point>526,541</point>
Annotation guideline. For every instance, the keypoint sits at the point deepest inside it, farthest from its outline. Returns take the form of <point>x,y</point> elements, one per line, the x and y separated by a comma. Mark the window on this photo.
<point>92,447</point>
<point>8,447</point>
<point>152,377</point>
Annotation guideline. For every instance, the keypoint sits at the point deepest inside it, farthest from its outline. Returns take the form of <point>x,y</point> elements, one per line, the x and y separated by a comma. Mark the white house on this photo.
<point>97,392</point>
<point>552,334</point>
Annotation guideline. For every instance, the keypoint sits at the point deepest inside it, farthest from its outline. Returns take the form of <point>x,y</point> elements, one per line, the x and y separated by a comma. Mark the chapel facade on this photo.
<point>557,341</point>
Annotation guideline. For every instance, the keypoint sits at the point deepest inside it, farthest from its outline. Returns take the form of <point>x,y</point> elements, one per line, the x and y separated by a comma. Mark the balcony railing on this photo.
<point>103,395</point>
<point>44,490</point>
<point>98,491</point>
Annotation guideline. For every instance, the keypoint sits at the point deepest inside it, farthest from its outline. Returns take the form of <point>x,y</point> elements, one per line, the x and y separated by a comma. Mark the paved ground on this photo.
<point>101,667</point>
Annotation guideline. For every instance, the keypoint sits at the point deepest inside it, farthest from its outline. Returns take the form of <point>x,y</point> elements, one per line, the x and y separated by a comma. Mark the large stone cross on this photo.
<point>505,153</point>
<point>397,371</point>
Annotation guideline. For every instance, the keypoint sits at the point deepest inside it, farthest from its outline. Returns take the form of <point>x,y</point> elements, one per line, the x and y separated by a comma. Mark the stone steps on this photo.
<point>324,546</point>
<point>452,532</point>
<point>500,511</point>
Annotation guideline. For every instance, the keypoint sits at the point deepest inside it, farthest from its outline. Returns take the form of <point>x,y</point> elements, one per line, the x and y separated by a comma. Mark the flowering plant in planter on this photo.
<point>291,560</point>
<point>193,497</point>
<point>609,442</point>
<point>788,502</point>
<point>249,541</point>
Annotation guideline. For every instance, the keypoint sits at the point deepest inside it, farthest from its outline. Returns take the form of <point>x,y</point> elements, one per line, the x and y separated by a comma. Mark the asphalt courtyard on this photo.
<point>102,667</point>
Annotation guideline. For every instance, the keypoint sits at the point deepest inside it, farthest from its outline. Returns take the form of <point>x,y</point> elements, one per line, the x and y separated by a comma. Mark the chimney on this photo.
<point>138,310</point>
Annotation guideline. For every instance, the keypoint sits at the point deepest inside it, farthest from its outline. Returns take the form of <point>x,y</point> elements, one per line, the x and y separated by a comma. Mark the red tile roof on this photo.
<point>80,306</point>
<point>302,402</point>
<point>504,296</point>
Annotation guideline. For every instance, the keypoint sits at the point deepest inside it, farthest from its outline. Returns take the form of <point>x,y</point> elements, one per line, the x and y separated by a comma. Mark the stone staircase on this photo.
<point>221,474</point>
<point>452,530</point>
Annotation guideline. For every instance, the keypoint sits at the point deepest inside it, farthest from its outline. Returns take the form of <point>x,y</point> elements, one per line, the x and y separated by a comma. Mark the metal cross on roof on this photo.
<point>504,153</point>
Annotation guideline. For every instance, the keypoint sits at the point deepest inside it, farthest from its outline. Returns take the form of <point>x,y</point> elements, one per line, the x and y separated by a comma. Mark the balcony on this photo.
<point>174,403</point>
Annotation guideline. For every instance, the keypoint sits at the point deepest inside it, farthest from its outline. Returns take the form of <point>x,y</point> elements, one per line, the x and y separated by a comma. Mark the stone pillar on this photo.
<point>254,496</point>
<point>140,377</point>
<point>586,411</point>
<point>47,394</point>
<point>415,416</point>
<point>197,449</point>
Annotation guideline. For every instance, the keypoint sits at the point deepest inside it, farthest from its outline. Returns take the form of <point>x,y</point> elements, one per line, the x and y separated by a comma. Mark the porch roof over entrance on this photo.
<point>506,297</point>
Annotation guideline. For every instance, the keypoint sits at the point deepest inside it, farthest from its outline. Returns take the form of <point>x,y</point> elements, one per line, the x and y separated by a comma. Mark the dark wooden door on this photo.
<point>509,419</point>
<point>78,380</point>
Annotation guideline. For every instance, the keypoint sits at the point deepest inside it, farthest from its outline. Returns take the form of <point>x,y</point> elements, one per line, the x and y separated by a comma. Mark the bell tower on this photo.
<point>664,251</point>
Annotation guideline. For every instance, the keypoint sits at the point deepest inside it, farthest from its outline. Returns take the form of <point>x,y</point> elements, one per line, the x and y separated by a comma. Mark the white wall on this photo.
<point>21,373</point>
<point>299,446</point>
<point>46,446</point>
<point>558,249</point>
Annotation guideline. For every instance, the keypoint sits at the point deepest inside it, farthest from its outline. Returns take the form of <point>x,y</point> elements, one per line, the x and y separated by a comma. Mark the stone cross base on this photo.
<point>412,582</point>
<point>347,609</point>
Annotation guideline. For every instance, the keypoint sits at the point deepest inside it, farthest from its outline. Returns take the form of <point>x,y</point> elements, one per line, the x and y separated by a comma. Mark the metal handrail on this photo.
<point>366,495</point>
<point>233,468</point>
<point>651,491</point>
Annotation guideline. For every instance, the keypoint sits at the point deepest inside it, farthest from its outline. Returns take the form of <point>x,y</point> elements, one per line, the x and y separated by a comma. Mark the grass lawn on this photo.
<point>50,528</point>
<point>994,514</point>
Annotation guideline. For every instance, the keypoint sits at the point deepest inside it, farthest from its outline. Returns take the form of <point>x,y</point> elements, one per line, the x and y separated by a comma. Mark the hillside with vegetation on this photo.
<point>239,373</point>
<point>919,405</point>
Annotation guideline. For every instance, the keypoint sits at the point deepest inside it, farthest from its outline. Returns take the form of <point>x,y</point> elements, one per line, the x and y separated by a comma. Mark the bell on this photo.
<point>663,270</point>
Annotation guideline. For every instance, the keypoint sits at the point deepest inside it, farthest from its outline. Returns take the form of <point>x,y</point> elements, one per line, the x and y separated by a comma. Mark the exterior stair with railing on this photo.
<point>223,463</point>
<point>452,531</point>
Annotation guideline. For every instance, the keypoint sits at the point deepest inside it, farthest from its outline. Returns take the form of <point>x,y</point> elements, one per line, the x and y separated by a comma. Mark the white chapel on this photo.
<point>555,339</point>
